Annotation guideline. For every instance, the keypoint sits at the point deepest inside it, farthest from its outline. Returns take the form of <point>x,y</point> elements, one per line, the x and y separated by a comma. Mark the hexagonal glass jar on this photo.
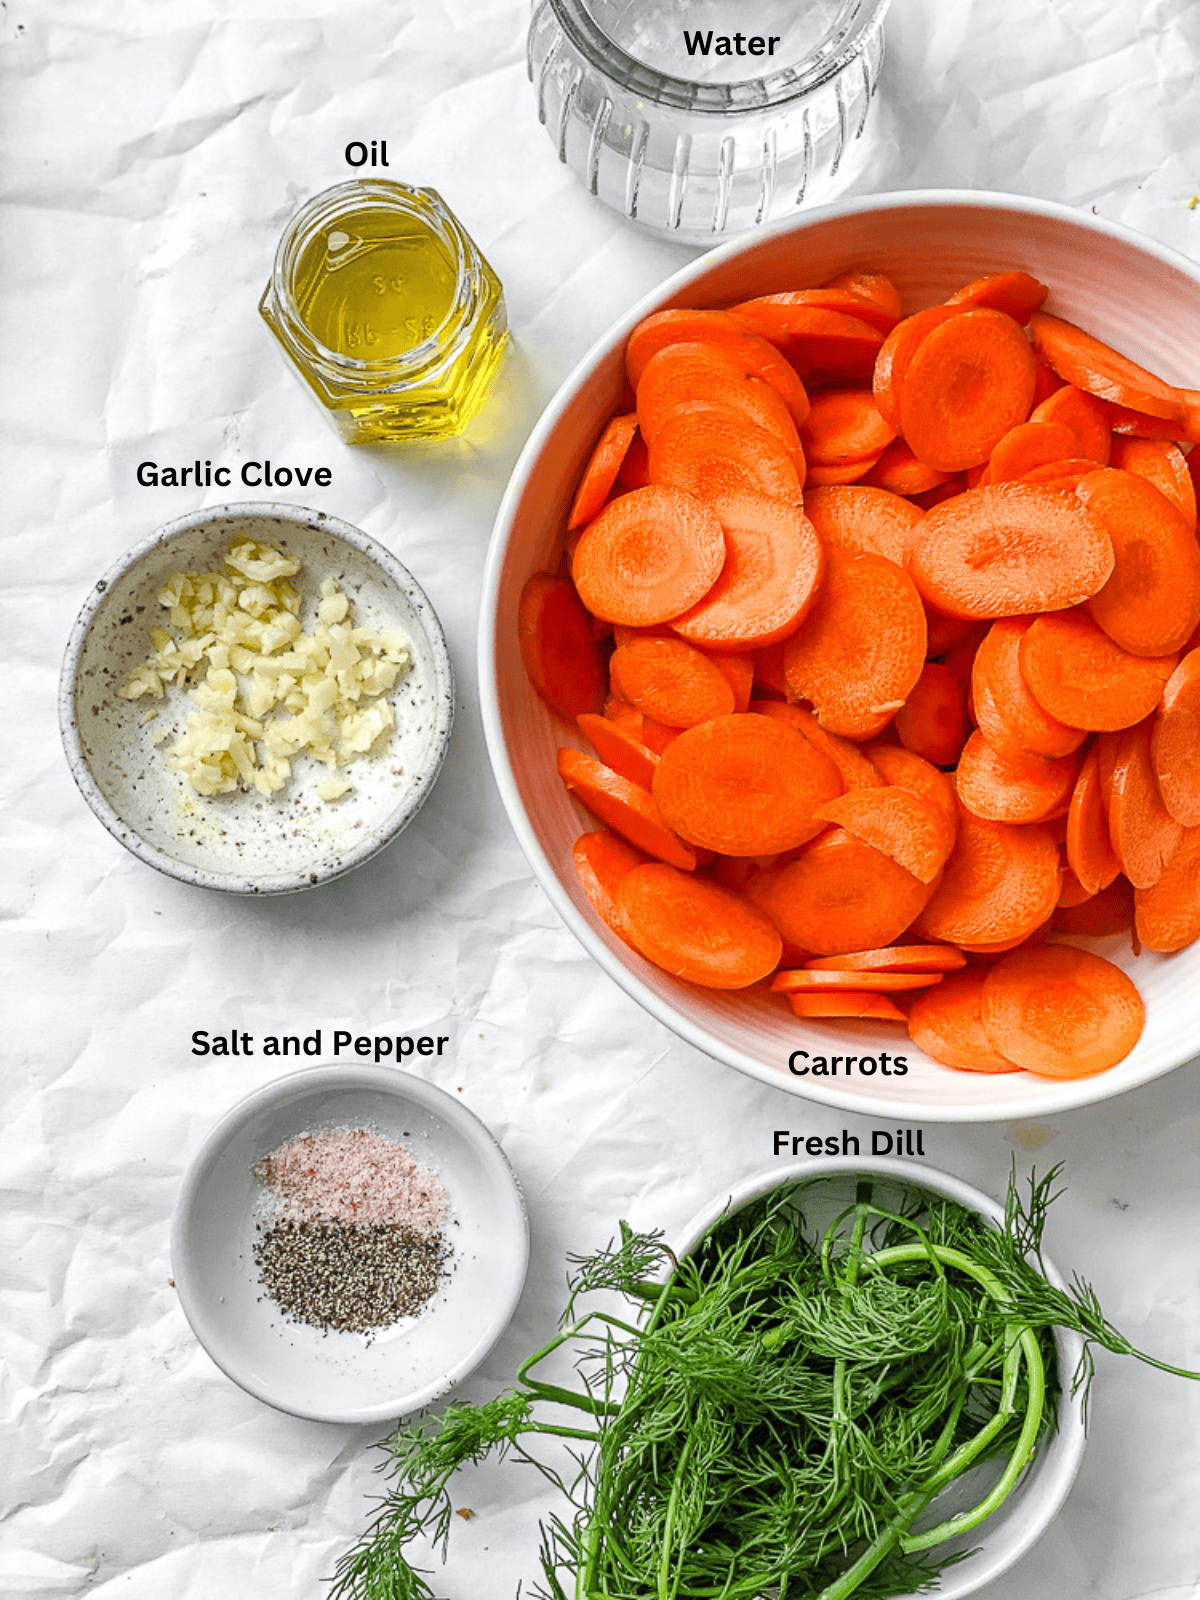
<point>384,305</point>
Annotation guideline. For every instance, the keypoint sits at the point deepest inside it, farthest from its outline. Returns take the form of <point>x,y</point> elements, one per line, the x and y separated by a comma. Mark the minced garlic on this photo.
<point>270,690</point>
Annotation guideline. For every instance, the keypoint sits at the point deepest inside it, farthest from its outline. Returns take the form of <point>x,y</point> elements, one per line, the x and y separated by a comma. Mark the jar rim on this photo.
<point>355,195</point>
<point>744,94</point>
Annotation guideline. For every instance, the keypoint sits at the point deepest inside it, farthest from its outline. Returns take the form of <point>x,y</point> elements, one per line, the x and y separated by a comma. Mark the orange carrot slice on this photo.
<point>1060,1011</point>
<point>900,472</point>
<point>933,720</point>
<point>855,770</point>
<point>867,520</point>
<point>1089,848</point>
<point>1009,717</point>
<point>860,650</point>
<point>840,894</point>
<point>601,860</point>
<point>670,681</point>
<point>844,425</point>
<point>694,929</point>
<point>895,958</point>
<point>627,808</point>
<point>648,556</point>
<point>802,979</point>
<point>1003,790</point>
<point>869,285</point>
<point>619,749</point>
<point>559,648</point>
<point>1144,833</point>
<point>946,1023</point>
<point>970,380</point>
<point>1164,465</point>
<point>601,471</point>
<point>897,352</point>
<point>1091,365</point>
<point>1028,445</point>
<point>739,670</point>
<point>1137,425</point>
<point>1000,883</point>
<point>744,785</point>
<point>1168,913</point>
<point>751,355</point>
<point>1017,294</point>
<point>713,453</point>
<point>1175,744</point>
<point>907,770</point>
<point>821,477</point>
<point>693,377</point>
<point>1151,602</point>
<point>905,826</point>
<point>1084,417</point>
<point>1008,549</point>
<point>773,566</point>
<point>1080,676</point>
<point>870,1007</point>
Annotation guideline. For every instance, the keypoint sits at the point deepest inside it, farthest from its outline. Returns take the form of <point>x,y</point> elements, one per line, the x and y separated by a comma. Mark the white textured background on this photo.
<point>151,156</point>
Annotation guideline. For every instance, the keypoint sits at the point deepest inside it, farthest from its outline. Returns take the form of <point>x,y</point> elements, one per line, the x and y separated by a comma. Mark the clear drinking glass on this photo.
<point>702,118</point>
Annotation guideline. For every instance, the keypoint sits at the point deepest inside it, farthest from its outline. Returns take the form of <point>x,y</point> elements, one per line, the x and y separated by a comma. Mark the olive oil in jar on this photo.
<point>388,311</point>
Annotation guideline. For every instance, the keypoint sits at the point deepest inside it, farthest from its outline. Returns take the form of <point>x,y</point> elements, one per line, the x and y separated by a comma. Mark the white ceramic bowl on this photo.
<point>1120,286</point>
<point>346,1377</point>
<point>827,1187</point>
<point>243,842</point>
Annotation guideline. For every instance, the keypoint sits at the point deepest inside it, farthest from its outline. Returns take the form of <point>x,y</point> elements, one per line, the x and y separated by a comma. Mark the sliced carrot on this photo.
<point>1009,717</point>
<point>897,352</point>
<point>946,1023</point>
<point>626,716</point>
<point>870,1007</point>
<point>713,453</point>
<point>1000,883</point>
<point>1046,383</point>
<point>773,565</point>
<point>933,720</point>
<point>1080,676</point>
<point>855,770</point>
<point>739,671</point>
<point>601,471</point>
<point>905,826</point>
<point>1002,790</point>
<point>1028,445</point>
<point>864,519</point>
<point>1151,602</point>
<point>1123,420</point>
<point>670,681</point>
<point>1072,893</point>
<point>751,355</point>
<point>1164,465</point>
<point>634,471</point>
<point>844,425</point>
<point>1168,913</point>
<point>658,736</point>
<point>1109,911</point>
<point>790,315</point>
<point>694,929</point>
<point>907,770</point>
<point>693,377</point>
<point>801,979</point>
<point>824,345</point>
<point>1068,473</point>
<point>1060,1011</point>
<point>1091,365</point>
<point>559,648</point>
<point>840,894</point>
<point>1144,833</point>
<point>899,471</point>
<point>619,749</point>
<point>744,785</point>
<point>626,807</point>
<point>1017,294</point>
<point>895,958</point>
<point>648,556</point>
<point>1175,744</point>
<point>869,285</point>
<point>1089,847</point>
<point>821,477</point>
<point>970,380</point>
<point>1084,417</point>
<point>601,860</point>
<point>860,650</point>
<point>1009,549</point>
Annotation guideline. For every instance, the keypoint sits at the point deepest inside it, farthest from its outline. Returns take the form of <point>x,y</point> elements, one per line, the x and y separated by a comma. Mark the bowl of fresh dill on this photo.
<point>845,1380</point>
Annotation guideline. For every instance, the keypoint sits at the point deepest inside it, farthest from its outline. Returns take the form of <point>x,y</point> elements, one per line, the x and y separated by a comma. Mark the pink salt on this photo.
<point>352,1175</point>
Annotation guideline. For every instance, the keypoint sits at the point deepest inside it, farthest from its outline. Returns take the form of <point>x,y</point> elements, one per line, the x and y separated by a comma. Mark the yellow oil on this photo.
<point>372,287</point>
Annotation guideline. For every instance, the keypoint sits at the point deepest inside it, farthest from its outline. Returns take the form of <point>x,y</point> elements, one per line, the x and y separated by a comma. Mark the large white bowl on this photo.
<point>824,1189</point>
<point>1119,285</point>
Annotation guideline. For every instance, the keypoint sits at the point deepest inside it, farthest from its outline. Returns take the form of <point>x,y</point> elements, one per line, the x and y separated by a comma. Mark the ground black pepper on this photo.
<point>352,1277</point>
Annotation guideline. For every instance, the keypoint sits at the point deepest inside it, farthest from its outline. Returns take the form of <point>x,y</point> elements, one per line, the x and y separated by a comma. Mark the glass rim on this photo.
<point>357,194</point>
<point>742,94</point>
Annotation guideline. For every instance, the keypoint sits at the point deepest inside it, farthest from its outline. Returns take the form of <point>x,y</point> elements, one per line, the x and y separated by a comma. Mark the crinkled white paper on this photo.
<point>152,155</point>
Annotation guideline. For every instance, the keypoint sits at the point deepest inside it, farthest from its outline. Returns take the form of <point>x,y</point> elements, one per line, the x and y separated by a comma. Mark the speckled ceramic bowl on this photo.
<point>242,842</point>
<point>337,1376</point>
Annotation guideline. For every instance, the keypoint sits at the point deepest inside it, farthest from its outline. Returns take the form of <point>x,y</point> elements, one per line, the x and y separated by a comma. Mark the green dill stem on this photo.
<point>664,1564</point>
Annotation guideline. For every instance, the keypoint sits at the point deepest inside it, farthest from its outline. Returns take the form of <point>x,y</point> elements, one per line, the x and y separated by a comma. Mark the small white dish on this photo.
<point>242,842</point>
<point>335,1376</point>
<point>825,1189</point>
